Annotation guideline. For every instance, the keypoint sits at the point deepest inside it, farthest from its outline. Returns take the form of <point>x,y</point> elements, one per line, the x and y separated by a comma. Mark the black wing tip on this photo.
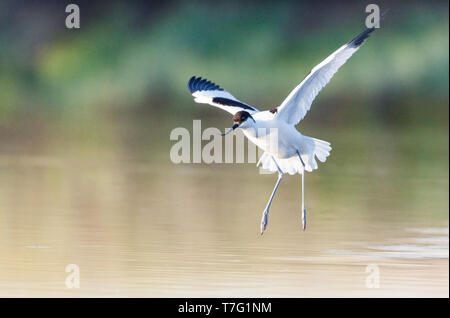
<point>231,102</point>
<point>198,84</point>
<point>360,38</point>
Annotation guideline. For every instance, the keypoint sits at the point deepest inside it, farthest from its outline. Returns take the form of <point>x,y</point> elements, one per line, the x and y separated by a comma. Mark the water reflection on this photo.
<point>137,225</point>
<point>434,247</point>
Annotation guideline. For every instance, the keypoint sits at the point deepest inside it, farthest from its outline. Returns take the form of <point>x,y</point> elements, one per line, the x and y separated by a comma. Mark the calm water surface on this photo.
<point>112,203</point>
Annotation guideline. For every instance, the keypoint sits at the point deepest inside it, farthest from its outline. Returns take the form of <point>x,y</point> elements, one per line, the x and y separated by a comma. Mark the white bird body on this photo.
<point>284,142</point>
<point>266,131</point>
<point>286,150</point>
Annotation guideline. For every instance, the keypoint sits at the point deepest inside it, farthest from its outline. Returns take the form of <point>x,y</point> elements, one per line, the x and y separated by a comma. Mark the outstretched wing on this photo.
<point>207,92</point>
<point>296,105</point>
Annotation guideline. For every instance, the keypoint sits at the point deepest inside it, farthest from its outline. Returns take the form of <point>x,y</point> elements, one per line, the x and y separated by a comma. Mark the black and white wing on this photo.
<point>207,92</point>
<point>297,104</point>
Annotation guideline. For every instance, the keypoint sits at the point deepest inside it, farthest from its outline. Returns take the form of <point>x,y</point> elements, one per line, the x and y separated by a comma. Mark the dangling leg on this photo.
<point>265,215</point>
<point>303,194</point>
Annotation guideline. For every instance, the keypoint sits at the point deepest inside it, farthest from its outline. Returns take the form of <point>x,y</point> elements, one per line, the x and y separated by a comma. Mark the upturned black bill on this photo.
<point>231,129</point>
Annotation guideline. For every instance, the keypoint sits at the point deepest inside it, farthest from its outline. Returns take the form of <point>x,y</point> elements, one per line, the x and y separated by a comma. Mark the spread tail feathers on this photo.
<point>312,148</point>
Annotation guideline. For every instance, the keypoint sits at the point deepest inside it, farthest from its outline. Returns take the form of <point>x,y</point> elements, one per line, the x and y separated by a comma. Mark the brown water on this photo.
<point>109,200</point>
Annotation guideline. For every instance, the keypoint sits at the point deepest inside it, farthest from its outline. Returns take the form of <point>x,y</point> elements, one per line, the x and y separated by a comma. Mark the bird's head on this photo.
<point>242,119</point>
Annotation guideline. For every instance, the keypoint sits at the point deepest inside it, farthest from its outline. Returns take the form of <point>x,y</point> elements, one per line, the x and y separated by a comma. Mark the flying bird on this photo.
<point>286,150</point>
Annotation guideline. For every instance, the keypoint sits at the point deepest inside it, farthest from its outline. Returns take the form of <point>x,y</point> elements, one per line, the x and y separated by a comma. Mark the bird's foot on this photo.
<point>264,221</point>
<point>304,219</point>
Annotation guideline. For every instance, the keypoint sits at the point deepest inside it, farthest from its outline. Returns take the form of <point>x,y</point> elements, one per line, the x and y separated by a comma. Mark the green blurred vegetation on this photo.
<point>136,56</point>
<point>85,120</point>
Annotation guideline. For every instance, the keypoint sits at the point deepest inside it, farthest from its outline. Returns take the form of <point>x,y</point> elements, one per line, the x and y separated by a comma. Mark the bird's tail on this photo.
<point>322,149</point>
<point>311,148</point>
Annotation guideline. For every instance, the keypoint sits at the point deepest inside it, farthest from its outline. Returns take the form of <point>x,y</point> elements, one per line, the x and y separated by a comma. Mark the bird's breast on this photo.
<point>274,138</point>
